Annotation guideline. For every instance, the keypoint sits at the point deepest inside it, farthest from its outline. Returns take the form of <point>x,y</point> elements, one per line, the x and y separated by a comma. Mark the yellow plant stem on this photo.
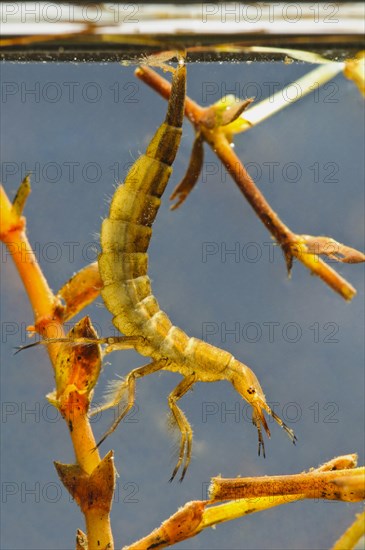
<point>48,314</point>
<point>242,507</point>
<point>281,99</point>
<point>98,528</point>
<point>337,479</point>
<point>347,485</point>
<point>82,437</point>
<point>47,309</point>
<point>352,535</point>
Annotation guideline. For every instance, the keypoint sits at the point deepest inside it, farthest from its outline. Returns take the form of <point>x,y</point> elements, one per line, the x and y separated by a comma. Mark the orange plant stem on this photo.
<point>46,307</point>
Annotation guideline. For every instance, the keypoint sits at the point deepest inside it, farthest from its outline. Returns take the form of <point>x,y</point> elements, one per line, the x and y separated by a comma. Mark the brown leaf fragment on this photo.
<point>73,477</point>
<point>187,184</point>
<point>81,540</point>
<point>77,366</point>
<point>214,116</point>
<point>336,251</point>
<point>83,287</point>
<point>21,196</point>
<point>345,462</point>
<point>288,257</point>
<point>180,526</point>
<point>91,492</point>
<point>103,479</point>
<point>232,113</point>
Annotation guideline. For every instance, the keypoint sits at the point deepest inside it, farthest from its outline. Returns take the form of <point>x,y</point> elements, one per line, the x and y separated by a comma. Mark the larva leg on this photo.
<point>183,424</point>
<point>130,386</point>
<point>117,343</point>
<point>114,343</point>
<point>256,421</point>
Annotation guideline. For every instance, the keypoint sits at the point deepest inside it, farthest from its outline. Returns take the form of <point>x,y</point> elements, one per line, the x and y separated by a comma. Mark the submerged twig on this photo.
<point>337,479</point>
<point>76,370</point>
<point>219,139</point>
<point>352,535</point>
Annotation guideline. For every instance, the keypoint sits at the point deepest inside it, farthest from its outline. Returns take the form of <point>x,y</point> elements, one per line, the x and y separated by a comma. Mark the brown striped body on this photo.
<point>127,293</point>
<point>126,233</point>
<point>123,264</point>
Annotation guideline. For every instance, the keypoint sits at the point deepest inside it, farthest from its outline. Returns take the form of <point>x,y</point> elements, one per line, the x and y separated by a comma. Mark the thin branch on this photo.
<point>218,138</point>
<point>281,99</point>
<point>76,370</point>
<point>352,535</point>
<point>337,479</point>
<point>346,485</point>
<point>46,307</point>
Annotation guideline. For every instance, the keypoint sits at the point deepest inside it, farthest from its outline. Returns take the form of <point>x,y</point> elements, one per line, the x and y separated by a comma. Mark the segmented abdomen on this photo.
<point>126,233</point>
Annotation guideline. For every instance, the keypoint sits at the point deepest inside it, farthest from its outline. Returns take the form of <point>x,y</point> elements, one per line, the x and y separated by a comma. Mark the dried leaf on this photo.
<point>81,290</point>
<point>77,366</point>
<point>180,526</point>
<point>298,248</point>
<point>224,112</point>
<point>81,540</point>
<point>339,463</point>
<point>73,477</point>
<point>21,196</point>
<point>183,189</point>
<point>336,251</point>
<point>91,492</point>
<point>289,258</point>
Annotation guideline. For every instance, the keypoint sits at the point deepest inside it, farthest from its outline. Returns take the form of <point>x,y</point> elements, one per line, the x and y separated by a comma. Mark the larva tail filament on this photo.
<point>259,420</point>
<point>288,430</point>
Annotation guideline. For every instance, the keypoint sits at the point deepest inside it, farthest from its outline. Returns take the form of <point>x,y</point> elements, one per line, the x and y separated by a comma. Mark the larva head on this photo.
<point>246,384</point>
